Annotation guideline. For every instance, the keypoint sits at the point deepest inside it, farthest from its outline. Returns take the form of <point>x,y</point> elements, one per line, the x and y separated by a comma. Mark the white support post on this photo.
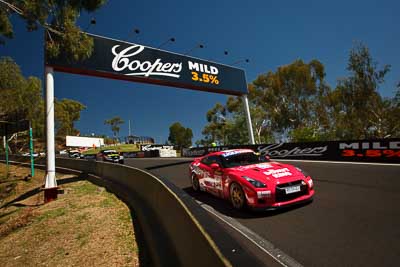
<point>248,119</point>
<point>51,183</point>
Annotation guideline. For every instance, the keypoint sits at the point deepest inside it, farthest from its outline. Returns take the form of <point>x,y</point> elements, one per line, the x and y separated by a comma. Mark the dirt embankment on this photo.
<point>85,226</point>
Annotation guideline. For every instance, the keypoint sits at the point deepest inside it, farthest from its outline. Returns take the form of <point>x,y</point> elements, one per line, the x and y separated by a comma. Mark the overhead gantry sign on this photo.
<point>121,60</point>
<point>139,63</point>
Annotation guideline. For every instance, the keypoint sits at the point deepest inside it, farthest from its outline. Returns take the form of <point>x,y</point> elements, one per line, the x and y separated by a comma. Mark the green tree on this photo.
<point>115,123</point>
<point>238,132</point>
<point>385,119</point>
<point>295,103</point>
<point>305,134</point>
<point>20,97</point>
<point>202,142</point>
<point>396,98</point>
<point>180,136</point>
<point>292,96</point>
<point>358,108</point>
<point>67,112</point>
<point>57,17</point>
<point>281,103</point>
<point>216,128</point>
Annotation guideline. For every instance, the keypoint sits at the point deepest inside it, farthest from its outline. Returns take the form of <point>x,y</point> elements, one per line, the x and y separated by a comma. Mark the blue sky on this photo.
<point>268,33</point>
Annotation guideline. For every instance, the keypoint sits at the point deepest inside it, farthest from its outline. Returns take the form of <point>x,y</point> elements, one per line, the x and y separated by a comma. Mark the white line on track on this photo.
<point>265,245</point>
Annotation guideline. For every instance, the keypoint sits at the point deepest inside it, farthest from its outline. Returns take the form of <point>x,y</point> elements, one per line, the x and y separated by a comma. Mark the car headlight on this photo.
<point>303,172</point>
<point>311,183</point>
<point>255,183</point>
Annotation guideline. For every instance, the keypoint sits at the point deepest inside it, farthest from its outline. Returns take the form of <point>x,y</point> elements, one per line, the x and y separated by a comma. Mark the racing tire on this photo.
<point>237,197</point>
<point>195,183</point>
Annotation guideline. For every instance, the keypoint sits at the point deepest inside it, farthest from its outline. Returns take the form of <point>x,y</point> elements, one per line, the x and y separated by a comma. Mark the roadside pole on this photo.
<point>50,189</point>
<point>31,150</point>
<point>248,119</point>
<point>6,148</point>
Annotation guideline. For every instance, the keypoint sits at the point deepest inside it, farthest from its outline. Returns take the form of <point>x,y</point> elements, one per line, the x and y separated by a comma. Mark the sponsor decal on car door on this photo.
<point>216,176</point>
<point>205,177</point>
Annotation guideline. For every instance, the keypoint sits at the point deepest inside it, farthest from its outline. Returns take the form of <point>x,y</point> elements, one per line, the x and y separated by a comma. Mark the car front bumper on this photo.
<point>282,206</point>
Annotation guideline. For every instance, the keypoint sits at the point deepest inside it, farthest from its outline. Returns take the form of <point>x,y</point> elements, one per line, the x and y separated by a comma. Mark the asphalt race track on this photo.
<point>354,219</point>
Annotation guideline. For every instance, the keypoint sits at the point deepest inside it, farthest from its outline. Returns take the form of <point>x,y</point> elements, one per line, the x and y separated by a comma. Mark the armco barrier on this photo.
<point>172,234</point>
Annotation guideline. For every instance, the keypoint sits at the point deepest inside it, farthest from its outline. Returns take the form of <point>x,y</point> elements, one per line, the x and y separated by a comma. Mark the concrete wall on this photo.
<point>173,236</point>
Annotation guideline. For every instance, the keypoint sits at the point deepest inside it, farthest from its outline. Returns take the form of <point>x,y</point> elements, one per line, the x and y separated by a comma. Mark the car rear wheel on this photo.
<point>237,197</point>
<point>195,183</point>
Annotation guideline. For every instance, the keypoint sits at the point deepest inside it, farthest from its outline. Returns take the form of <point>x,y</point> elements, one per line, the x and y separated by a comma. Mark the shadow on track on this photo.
<point>167,165</point>
<point>224,207</point>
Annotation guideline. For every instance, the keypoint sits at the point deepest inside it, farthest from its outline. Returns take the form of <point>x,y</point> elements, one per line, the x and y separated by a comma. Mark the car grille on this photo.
<point>280,193</point>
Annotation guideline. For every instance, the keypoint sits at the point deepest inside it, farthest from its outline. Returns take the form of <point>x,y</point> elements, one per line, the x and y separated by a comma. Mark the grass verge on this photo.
<point>85,226</point>
<point>119,148</point>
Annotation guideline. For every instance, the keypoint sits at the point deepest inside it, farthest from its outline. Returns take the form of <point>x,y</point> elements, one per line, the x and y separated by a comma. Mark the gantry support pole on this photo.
<point>248,119</point>
<point>50,190</point>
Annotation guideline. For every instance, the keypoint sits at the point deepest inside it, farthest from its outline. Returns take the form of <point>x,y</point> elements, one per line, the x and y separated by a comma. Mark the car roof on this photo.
<point>109,150</point>
<point>230,152</point>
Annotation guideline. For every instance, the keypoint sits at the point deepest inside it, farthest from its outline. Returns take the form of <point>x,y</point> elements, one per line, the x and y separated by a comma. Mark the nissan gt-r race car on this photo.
<point>110,155</point>
<point>248,179</point>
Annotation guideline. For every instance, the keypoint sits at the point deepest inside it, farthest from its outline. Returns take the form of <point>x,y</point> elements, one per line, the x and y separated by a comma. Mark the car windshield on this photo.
<point>109,152</point>
<point>242,159</point>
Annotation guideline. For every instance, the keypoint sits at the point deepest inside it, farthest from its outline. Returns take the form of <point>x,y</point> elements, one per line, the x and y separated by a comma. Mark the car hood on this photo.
<point>268,172</point>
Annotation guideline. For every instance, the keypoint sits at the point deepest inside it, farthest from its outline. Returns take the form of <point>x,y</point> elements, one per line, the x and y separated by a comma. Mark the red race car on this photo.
<point>248,179</point>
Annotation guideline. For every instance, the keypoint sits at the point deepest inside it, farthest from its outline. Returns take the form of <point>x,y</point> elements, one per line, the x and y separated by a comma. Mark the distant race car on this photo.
<point>249,179</point>
<point>110,155</point>
<point>74,154</point>
<point>27,154</point>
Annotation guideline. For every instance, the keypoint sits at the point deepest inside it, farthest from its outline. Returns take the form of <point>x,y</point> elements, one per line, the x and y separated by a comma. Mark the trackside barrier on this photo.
<point>173,236</point>
<point>376,150</point>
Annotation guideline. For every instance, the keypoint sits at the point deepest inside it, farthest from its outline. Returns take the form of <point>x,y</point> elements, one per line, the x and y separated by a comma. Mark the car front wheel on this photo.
<point>237,197</point>
<point>195,183</point>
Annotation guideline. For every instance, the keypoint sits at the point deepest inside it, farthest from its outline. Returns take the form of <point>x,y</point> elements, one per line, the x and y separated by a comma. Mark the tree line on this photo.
<point>296,104</point>
<point>293,103</point>
<point>21,99</point>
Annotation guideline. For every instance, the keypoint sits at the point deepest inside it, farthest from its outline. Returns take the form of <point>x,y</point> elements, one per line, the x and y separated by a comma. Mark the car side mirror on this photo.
<point>264,158</point>
<point>215,166</point>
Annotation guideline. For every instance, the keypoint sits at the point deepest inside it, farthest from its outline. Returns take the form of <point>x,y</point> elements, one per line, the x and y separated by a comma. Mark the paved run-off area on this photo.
<point>353,221</point>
